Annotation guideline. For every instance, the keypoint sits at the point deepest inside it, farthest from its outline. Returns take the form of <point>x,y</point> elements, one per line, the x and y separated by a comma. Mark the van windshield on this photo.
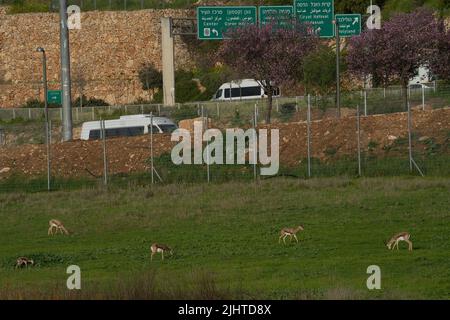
<point>218,94</point>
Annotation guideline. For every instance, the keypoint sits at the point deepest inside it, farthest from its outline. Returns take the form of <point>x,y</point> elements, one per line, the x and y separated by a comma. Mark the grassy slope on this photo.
<point>229,232</point>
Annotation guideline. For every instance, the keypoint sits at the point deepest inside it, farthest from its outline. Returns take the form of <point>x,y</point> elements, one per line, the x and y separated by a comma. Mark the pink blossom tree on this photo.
<point>271,55</point>
<point>440,61</point>
<point>395,52</point>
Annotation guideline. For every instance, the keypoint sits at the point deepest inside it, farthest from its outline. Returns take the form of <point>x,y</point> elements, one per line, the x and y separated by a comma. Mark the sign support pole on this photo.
<point>338,76</point>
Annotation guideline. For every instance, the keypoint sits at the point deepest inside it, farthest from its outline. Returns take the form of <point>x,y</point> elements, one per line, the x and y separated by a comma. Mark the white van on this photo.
<point>127,126</point>
<point>245,89</point>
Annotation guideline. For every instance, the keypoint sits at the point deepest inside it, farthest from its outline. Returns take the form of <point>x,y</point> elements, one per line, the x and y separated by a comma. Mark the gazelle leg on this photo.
<point>409,245</point>
<point>162,255</point>
<point>295,238</point>
<point>49,230</point>
<point>279,239</point>
<point>151,256</point>
<point>284,238</point>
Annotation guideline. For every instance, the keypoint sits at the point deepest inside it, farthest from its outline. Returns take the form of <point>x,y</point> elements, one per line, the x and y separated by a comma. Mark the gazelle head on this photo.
<point>300,227</point>
<point>388,244</point>
<point>31,261</point>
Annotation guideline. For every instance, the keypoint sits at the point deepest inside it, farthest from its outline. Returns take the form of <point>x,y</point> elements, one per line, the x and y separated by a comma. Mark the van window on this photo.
<point>167,127</point>
<point>94,134</point>
<point>117,132</point>
<point>251,91</point>
<point>243,92</point>
<point>218,93</point>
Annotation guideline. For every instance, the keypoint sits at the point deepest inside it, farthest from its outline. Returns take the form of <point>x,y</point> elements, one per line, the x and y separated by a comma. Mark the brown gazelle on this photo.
<point>402,236</point>
<point>291,232</point>
<point>23,261</point>
<point>57,225</point>
<point>159,248</point>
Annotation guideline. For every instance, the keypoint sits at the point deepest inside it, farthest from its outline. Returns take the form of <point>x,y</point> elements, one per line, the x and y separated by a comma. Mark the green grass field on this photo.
<point>225,240</point>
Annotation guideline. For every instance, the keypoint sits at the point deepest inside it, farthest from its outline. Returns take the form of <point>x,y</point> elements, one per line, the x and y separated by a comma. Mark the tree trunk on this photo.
<point>269,104</point>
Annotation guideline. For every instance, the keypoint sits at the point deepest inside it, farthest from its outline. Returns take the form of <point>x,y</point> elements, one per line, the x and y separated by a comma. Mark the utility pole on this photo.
<point>47,123</point>
<point>338,76</point>
<point>65,73</point>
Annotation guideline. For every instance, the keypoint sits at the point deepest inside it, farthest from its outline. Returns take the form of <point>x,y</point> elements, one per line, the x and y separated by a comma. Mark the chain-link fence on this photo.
<point>371,101</point>
<point>313,142</point>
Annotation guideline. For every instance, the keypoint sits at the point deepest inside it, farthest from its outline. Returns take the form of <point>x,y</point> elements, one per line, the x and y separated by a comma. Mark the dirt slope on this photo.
<point>331,138</point>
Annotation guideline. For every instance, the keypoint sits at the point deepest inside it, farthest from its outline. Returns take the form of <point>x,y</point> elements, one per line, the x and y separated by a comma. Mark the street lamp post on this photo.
<point>44,76</point>
<point>47,126</point>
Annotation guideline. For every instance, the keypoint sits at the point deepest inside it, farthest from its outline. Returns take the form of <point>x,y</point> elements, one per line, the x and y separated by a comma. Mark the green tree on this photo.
<point>186,89</point>
<point>150,77</point>
<point>319,70</point>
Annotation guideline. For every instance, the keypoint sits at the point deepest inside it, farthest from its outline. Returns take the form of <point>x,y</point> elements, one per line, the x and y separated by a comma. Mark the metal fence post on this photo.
<point>358,129</point>
<point>308,134</point>
<point>411,159</point>
<point>105,162</point>
<point>207,148</point>
<point>50,132</point>
<point>47,143</point>
<point>409,139</point>
<point>151,148</point>
<point>255,143</point>
<point>365,103</point>
<point>423,98</point>
<point>218,110</point>
<point>296,103</point>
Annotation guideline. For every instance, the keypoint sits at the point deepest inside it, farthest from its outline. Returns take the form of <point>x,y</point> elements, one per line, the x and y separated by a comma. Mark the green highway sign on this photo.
<point>54,96</point>
<point>349,24</point>
<point>213,22</point>
<point>318,13</point>
<point>280,16</point>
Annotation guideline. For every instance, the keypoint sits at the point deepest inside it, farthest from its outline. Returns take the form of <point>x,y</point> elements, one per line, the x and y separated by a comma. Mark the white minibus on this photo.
<point>245,89</point>
<point>126,126</point>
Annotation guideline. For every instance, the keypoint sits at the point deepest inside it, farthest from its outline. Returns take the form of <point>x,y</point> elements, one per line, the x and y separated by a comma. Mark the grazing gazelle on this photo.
<point>23,261</point>
<point>155,248</point>
<point>57,225</point>
<point>402,236</point>
<point>291,232</point>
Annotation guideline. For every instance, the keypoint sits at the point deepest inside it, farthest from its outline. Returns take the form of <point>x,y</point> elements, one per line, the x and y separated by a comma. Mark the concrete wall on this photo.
<point>106,54</point>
